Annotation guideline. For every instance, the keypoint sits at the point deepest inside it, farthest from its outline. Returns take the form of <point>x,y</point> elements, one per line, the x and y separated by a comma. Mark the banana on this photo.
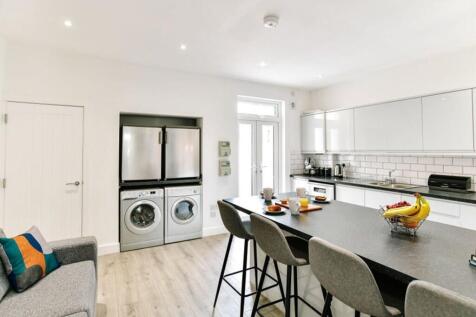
<point>403,211</point>
<point>422,214</point>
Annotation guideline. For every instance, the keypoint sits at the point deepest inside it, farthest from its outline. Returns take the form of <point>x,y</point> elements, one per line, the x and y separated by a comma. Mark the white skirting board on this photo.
<point>108,248</point>
<point>211,231</point>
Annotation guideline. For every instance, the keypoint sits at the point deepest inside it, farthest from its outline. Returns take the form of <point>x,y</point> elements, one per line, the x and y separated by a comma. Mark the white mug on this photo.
<point>301,192</point>
<point>267,193</point>
<point>294,206</point>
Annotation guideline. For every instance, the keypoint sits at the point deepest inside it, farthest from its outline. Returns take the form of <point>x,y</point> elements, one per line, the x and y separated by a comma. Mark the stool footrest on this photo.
<point>254,292</point>
<point>282,300</point>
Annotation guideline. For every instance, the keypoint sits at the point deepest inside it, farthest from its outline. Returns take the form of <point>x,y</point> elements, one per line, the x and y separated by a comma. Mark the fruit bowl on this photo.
<point>405,218</point>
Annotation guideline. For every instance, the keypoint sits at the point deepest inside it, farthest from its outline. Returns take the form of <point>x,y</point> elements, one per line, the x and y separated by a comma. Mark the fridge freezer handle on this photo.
<point>160,137</point>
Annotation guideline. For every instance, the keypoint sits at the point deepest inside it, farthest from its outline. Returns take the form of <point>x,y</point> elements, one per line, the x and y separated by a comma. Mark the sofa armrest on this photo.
<point>75,250</point>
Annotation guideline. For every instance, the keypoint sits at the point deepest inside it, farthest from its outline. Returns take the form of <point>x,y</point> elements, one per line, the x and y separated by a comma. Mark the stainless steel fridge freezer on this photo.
<point>141,153</point>
<point>182,153</point>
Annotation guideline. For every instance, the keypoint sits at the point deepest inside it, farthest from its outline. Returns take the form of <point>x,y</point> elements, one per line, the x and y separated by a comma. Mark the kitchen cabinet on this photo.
<point>468,216</point>
<point>340,131</point>
<point>443,211</point>
<point>350,194</point>
<point>312,132</point>
<point>448,122</point>
<point>299,182</point>
<point>392,126</point>
<point>377,198</point>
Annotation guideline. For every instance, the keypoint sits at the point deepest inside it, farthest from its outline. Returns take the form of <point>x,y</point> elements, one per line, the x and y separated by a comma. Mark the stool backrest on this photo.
<point>232,220</point>
<point>426,299</point>
<point>272,240</point>
<point>347,277</point>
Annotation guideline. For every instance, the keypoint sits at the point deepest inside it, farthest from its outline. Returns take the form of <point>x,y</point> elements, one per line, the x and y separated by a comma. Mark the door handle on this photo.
<point>76,183</point>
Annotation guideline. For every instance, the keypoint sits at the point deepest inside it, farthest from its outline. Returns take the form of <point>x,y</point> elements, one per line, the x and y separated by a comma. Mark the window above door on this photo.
<point>258,108</point>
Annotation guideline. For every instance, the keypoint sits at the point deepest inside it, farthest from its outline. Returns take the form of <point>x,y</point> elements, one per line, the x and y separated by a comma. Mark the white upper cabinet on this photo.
<point>312,133</point>
<point>340,130</point>
<point>448,122</point>
<point>392,126</point>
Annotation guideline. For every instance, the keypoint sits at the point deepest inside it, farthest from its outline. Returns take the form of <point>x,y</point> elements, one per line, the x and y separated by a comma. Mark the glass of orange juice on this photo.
<point>304,202</point>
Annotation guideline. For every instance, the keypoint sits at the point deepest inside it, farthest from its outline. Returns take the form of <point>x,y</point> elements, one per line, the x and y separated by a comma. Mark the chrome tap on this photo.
<point>390,179</point>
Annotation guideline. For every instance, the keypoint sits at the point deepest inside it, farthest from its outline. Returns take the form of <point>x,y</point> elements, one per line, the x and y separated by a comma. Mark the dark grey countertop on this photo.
<point>438,254</point>
<point>466,197</point>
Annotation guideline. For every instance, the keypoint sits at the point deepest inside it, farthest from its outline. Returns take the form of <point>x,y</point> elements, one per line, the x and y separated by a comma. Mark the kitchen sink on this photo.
<point>394,185</point>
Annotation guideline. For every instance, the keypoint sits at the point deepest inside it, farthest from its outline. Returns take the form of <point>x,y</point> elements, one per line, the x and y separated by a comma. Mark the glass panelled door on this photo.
<point>258,153</point>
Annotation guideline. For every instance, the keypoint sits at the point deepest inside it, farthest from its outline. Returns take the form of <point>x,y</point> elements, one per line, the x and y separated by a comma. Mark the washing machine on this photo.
<point>184,220</point>
<point>142,218</point>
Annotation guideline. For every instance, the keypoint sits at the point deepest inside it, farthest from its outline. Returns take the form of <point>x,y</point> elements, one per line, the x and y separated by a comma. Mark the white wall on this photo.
<point>106,88</point>
<point>435,74</point>
<point>2,145</point>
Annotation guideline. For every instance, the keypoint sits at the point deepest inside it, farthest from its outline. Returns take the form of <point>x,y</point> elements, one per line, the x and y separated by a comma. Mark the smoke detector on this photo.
<point>270,21</point>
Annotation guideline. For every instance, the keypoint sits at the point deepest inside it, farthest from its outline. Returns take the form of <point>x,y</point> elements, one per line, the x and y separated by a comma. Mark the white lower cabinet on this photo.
<point>468,216</point>
<point>442,211</point>
<point>297,182</point>
<point>377,198</point>
<point>350,194</point>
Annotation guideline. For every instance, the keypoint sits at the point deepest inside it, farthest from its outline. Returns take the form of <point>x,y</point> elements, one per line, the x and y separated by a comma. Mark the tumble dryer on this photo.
<point>184,220</point>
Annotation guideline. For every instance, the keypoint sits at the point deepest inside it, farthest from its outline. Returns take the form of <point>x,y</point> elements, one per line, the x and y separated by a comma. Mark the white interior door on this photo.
<point>43,169</point>
<point>258,151</point>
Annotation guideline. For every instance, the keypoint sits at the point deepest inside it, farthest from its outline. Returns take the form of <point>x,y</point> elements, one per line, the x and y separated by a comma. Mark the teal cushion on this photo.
<point>27,258</point>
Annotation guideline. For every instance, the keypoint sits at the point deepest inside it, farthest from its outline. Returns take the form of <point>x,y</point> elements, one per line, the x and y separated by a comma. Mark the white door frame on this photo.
<point>3,128</point>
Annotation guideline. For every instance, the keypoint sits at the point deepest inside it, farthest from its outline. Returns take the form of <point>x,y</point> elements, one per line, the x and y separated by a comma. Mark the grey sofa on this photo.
<point>68,291</point>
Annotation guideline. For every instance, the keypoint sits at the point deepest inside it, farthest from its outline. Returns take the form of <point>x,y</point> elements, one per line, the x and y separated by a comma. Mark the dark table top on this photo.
<point>466,197</point>
<point>438,254</point>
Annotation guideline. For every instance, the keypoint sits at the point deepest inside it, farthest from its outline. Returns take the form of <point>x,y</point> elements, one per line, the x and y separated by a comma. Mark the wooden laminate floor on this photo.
<point>178,279</point>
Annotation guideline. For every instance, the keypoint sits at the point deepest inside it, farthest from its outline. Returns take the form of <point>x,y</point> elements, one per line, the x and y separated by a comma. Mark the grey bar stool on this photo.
<point>290,251</point>
<point>347,277</point>
<point>241,229</point>
<point>425,299</point>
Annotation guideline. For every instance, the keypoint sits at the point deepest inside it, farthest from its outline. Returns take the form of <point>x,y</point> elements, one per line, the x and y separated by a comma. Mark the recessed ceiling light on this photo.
<point>68,23</point>
<point>183,47</point>
<point>263,64</point>
<point>319,76</point>
<point>271,21</point>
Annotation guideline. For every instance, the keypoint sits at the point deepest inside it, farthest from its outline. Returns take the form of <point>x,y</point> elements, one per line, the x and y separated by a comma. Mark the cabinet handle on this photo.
<point>76,183</point>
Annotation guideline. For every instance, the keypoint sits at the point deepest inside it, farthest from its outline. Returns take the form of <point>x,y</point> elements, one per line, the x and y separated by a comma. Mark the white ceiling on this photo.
<point>337,39</point>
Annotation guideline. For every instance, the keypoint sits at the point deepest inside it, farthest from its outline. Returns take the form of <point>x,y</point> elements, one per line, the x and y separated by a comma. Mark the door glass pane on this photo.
<point>143,216</point>
<point>257,108</point>
<point>267,155</point>
<point>245,170</point>
<point>184,210</point>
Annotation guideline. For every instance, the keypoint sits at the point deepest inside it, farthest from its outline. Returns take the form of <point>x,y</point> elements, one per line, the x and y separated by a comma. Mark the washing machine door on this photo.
<point>142,217</point>
<point>184,210</point>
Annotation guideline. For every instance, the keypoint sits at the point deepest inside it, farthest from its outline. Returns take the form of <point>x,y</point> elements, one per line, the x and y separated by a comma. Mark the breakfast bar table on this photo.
<point>438,254</point>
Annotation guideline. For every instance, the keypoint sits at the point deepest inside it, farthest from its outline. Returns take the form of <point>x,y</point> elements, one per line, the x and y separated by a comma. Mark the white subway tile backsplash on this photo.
<point>396,159</point>
<point>410,159</point>
<point>403,166</point>
<point>417,167</point>
<point>425,160</point>
<point>376,165</point>
<point>434,168</point>
<point>453,169</point>
<point>471,170</point>
<point>411,169</point>
<point>411,174</point>
<point>463,161</point>
<point>443,160</point>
